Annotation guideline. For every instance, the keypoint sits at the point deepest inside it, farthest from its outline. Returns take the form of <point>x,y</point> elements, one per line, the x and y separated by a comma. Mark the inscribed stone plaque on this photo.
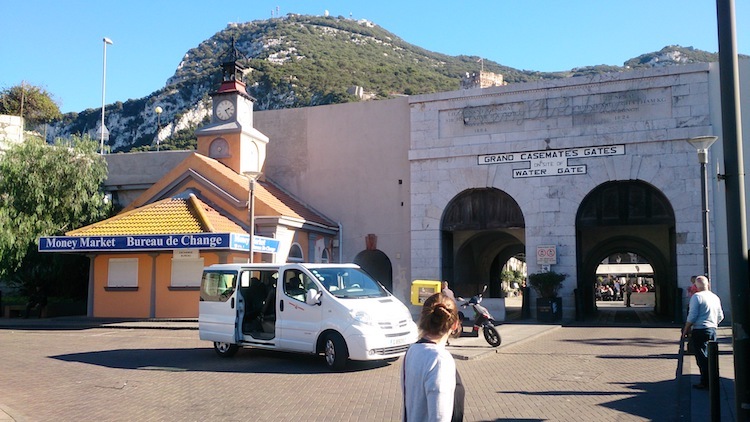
<point>586,110</point>
<point>621,107</point>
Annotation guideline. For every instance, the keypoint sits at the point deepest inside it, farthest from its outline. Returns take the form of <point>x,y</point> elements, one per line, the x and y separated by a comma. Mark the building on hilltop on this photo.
<point>482,79</point>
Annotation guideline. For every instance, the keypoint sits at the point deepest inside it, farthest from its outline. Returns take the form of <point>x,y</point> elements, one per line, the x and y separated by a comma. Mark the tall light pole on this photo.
<point>158,110</point>
<point>702,144</point>
<point>252,177</point>
<point>734,182</point>
<point>103,129</point>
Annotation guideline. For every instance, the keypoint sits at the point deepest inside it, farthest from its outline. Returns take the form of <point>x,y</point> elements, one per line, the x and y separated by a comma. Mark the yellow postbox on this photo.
<point>422,289</point>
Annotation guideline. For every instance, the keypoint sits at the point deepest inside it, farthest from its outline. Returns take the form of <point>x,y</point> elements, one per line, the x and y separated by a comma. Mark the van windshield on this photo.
<point>349,283</point>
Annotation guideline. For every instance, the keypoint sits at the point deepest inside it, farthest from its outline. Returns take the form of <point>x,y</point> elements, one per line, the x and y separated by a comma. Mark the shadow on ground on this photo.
<point>650,401</point>
<point>204,359</point>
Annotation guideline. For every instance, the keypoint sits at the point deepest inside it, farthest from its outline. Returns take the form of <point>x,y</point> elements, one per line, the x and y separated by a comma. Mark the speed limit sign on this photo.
<point>546,254</point>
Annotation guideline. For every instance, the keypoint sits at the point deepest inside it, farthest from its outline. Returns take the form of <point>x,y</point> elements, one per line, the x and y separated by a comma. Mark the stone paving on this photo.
<point>135,371</point>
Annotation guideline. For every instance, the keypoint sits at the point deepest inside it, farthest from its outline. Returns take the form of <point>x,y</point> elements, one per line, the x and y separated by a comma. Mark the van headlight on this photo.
<point>363,318</point>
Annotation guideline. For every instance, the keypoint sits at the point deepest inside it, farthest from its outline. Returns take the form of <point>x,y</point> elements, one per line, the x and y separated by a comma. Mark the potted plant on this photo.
<point>548,304</point>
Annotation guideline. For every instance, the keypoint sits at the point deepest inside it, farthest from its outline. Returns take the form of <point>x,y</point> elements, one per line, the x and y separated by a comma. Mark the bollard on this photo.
<point>526,303</point>
<point>714,386</point>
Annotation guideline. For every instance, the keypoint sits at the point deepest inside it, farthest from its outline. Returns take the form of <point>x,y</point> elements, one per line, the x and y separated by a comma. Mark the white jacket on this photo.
<point>428,382</point>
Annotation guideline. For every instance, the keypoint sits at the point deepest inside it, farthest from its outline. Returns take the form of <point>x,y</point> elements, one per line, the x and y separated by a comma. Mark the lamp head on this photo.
<point>107,40</point>
<point>702,142</point>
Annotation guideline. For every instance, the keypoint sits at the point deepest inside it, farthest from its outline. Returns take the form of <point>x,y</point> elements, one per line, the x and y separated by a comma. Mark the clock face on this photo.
<point>219,148</point>
<point>225,110</point>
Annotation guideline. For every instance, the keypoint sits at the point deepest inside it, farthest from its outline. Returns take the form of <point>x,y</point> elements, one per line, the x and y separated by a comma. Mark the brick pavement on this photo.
<point>120,372</point>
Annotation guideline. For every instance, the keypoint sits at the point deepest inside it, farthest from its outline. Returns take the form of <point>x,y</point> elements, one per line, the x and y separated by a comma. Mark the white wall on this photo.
<point>346,161</point>
<point>11,130</point>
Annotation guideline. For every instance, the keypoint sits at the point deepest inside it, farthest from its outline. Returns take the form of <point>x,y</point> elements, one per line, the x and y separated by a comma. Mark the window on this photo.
<point>123,272</point>
<point>296,284</point>
<point>348,283</point>
<point>295,253</point>
<point>218,286</point>
<point>186,272</point>
<point>258,288</point>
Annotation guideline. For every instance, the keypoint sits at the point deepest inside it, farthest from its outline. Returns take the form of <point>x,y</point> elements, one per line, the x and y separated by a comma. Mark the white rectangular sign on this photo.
<point>552,162</point>
<point>191,254</point>
<point>546,255</point>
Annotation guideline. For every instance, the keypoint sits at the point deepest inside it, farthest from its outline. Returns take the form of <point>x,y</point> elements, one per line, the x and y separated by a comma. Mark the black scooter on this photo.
<point>482,319</point>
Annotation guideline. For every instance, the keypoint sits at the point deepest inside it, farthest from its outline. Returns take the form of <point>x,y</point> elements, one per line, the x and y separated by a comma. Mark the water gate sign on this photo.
<point>550,162</point>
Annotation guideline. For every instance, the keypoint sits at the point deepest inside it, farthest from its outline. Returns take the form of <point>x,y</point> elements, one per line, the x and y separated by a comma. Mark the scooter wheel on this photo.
<point>492,336</point>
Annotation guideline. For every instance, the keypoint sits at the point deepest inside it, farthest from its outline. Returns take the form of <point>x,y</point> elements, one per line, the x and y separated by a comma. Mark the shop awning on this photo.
<point>623,269</point>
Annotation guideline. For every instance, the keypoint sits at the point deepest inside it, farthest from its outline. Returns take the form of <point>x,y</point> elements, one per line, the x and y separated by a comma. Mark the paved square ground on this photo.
<point>566,374</point>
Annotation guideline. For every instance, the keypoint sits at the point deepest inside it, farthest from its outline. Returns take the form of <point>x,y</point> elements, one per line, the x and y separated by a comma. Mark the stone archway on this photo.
<point>627,216</point>
<point>375,262</point>
<point>480,230</point>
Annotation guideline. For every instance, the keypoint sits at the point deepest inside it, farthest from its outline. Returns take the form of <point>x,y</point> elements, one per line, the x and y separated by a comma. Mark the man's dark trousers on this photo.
<point>699,339</point>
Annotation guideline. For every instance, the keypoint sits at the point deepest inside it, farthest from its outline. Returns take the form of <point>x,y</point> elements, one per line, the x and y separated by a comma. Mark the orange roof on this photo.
<point>287,205</point>
<point>275,198</point>
<point>168,216</point>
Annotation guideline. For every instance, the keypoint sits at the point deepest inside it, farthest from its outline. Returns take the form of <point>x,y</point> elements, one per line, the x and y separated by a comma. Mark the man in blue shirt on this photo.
<point>703,318</point>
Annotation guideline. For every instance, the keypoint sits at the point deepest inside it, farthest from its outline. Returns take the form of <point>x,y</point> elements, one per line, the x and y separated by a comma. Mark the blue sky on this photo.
<point>58,44</point>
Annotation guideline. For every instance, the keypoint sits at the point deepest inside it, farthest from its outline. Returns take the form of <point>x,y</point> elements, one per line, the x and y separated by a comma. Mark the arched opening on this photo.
<point>376,263</point>
<point>622,273</point>
<point>481,229</point>
<point>626,219</point>
<point>295,253</point>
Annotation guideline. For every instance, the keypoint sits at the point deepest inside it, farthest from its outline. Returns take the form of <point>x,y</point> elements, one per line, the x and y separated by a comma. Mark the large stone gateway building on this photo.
<point>592,166</point>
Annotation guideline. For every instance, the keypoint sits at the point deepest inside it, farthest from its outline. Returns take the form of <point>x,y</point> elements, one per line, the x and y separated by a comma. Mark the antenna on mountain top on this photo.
<point>326,13</point>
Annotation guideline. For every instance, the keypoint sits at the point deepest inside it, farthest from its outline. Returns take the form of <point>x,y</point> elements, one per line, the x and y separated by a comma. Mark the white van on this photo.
<point>334,309</point>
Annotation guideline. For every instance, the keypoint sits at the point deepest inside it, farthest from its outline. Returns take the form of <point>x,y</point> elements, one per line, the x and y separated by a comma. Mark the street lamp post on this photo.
<point>702,144</point>
<point>158,111</point>
<point>103,129</point>
<point>252,177</point>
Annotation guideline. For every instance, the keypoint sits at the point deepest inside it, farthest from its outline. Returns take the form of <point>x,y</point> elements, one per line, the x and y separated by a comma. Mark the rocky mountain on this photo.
<point>299,61</point>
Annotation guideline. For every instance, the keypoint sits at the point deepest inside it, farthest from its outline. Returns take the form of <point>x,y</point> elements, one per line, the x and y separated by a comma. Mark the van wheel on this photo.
<point>225,350</point>
<point>336,352</point>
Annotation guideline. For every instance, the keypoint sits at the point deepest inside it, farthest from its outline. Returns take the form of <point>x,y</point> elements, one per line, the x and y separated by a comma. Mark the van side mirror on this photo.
<point>312,297</point>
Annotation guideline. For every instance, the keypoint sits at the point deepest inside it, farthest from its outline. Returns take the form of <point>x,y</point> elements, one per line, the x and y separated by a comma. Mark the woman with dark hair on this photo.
<point>431,385</point>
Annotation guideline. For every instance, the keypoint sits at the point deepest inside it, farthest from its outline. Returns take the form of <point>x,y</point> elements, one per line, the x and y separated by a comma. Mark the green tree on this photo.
<point>46,190</point>
<point>38,105</point>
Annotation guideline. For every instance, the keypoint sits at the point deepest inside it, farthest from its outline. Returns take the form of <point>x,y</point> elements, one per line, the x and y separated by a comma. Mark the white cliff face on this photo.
<point>190,118</point>
<point>668,58</point>
<point>135,122</point>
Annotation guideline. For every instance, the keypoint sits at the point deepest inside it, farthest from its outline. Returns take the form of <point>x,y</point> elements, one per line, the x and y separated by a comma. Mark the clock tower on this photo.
<point>230,137</point>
